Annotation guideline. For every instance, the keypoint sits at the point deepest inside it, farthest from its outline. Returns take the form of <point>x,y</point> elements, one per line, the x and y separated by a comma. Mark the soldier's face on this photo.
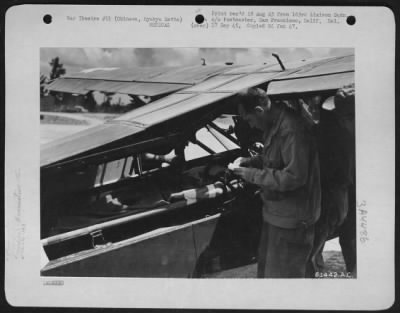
<point>253,118</point>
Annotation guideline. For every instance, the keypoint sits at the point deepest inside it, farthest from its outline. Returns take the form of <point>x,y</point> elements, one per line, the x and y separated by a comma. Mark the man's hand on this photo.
<point>241,161</point>
<point>242,172</point>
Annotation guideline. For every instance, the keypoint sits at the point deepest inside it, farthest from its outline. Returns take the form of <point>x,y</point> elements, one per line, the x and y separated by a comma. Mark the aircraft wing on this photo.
<point>329,73</point>
<point>191,98</point>
<point>142,81</point>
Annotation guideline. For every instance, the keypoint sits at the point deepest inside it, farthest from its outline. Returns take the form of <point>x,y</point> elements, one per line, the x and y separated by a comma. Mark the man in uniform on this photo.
<point>287,173</point>
<point>345,111</point>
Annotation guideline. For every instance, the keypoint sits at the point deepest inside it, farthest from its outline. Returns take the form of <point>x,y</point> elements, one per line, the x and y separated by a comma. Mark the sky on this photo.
<point>77,59</point>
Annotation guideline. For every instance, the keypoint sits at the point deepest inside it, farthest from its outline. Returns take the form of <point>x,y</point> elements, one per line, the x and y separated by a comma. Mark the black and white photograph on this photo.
<point>200,157</point>
<point>213,163</point>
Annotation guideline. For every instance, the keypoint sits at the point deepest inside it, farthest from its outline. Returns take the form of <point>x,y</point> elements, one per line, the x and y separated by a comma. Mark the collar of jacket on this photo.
<point>268,135</point>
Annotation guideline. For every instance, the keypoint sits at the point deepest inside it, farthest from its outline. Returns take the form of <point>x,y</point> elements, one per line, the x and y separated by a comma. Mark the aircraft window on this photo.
<point>113,171</point>
<point>129,170</point>
<point>132,167</point>
<point>213,138</point>
<point>99,175</point>
<point>223,129</point>
<point>194,151</point>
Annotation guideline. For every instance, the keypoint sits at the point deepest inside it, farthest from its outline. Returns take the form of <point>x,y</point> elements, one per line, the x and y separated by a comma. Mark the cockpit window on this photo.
<point>215,137</point>
<point>114,171</point>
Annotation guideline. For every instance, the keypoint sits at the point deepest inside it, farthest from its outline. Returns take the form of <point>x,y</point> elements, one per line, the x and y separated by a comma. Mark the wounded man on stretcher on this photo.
<point>196,184</point>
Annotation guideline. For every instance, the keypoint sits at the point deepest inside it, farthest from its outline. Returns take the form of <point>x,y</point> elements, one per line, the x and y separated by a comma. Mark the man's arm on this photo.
<point>295,154</point>
<point>254,161</point>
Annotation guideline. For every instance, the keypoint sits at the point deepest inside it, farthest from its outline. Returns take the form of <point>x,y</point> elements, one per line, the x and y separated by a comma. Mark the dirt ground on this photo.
<point>334,268</point>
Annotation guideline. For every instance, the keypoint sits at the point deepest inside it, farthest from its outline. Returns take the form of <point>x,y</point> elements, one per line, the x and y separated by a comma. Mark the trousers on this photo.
<point>284,253</point>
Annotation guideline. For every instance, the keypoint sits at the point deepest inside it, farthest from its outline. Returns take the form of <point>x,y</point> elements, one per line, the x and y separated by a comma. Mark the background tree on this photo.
<point>43,83</point>
<point>57,68</point>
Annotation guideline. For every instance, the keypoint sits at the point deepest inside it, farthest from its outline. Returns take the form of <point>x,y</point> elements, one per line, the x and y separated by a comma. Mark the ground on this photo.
<point>334,267</point>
